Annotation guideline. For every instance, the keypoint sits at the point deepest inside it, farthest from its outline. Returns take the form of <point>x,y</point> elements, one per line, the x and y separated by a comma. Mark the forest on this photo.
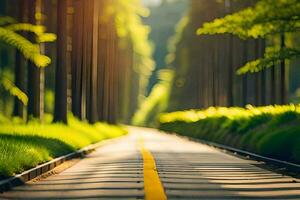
<point>77,72</point>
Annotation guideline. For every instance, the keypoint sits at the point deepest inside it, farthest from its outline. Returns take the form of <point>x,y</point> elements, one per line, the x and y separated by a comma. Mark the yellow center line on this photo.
<point>153,187</point>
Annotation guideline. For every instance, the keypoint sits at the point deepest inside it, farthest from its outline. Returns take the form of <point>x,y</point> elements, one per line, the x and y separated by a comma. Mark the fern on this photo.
<point>265,18</point>
<point>36,29</point>
<point>9,35</point>
<point>29,50</point>
<point>14,90</point>
<point>46,37</point>
<point>272,57</point>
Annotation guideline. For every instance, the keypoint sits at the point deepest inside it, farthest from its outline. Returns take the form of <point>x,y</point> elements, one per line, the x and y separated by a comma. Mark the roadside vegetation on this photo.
<point>271,131</point>
<point>40,82</point>
<point>23,146</point>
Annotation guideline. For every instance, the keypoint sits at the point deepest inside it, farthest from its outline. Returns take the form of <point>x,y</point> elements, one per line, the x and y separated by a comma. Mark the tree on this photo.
<point>266,18</point>
<point>60,109</point>
<point>20,68</point>
<point>260,21</point>
<point>10,31</point>
<point>111,59</point>
<point>35,74</point>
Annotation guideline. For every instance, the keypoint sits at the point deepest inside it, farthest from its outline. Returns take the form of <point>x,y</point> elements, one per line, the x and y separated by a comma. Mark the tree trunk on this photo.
<point>60,110</point>
<point>273,86</point>
<point>20,83</point>
<point>34,78</point>
<point>245,76</point>
<point>263,74</point>
<point>76,69</point>
<point>230,73</point>
<point>93,106</point>
<point>20,68</point>
<point>283,84</point>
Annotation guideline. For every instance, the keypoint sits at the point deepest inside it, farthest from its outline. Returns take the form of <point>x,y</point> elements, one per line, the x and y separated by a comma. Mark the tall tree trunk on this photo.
<point>245,76</point>
<point>20,83</point>
<point>229,8</point>
<point>101,67</point>
<point>230,73</point>
<point>20,67</point>
<point>273,85</point>
<point>283,84</point>
<point>94,67</point>
<point>257,85</point>
<point>60,110</point>
<point>76,69</point>
<point>34,78</point>
<point>263,90</point>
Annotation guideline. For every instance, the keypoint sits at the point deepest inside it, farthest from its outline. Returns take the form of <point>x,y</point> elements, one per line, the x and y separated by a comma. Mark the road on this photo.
<point>150,164</point>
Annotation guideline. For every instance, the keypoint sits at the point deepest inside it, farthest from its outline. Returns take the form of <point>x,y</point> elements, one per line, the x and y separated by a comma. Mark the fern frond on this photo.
<point>36,29</point>
<point>29,50</point>
<point>265,18</point>
<point>272,57</point>
<point>14,90</point>
<point>46,37</point>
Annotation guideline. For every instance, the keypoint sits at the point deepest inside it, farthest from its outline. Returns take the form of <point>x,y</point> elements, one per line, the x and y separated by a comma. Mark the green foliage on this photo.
<point>29,50</point>
<point>272,57</point>
<point>46,37</point>
<point>9,35</point>
<point>49,101</point>
<point>13,90</point>
<point>265,18</point>
<point>162,30</point>
<point>156,102</point>
<point>36,29</point>
<point>7,99</point>
<point>6,20</point>
<point>25,146</point>
<point>271,130</point>
<point>176,38</point>
<point>128,21</point>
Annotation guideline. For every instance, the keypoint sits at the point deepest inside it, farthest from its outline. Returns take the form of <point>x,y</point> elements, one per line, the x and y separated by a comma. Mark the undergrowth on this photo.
<point>23,146</point>
<point>272,131</point>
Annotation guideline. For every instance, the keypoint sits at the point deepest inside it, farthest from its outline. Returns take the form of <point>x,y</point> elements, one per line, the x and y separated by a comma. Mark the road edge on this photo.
<point>22,178</point>
<point>244,154</point>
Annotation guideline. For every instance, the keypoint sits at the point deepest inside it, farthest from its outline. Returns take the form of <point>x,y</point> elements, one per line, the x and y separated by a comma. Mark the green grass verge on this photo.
<point>23,146</point>
<point>272,131</point>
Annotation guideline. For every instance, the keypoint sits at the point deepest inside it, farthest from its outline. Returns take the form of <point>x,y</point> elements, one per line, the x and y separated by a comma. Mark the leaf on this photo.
<point>46,37</point>
<point>29,50</point>
<point>36,29</point>
<point>265,18</point>
<point>14,90</point>
<point>272,57</point>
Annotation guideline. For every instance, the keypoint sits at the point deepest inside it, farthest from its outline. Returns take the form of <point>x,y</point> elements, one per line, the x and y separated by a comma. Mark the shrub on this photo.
<point>272,131</point>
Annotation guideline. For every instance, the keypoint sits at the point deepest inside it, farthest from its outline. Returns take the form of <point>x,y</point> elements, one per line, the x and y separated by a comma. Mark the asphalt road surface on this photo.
<point>153,165</point>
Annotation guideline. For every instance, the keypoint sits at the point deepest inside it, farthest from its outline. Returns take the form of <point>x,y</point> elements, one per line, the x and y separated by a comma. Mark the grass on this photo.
<point>23,146</point>
<point>272,131</point>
